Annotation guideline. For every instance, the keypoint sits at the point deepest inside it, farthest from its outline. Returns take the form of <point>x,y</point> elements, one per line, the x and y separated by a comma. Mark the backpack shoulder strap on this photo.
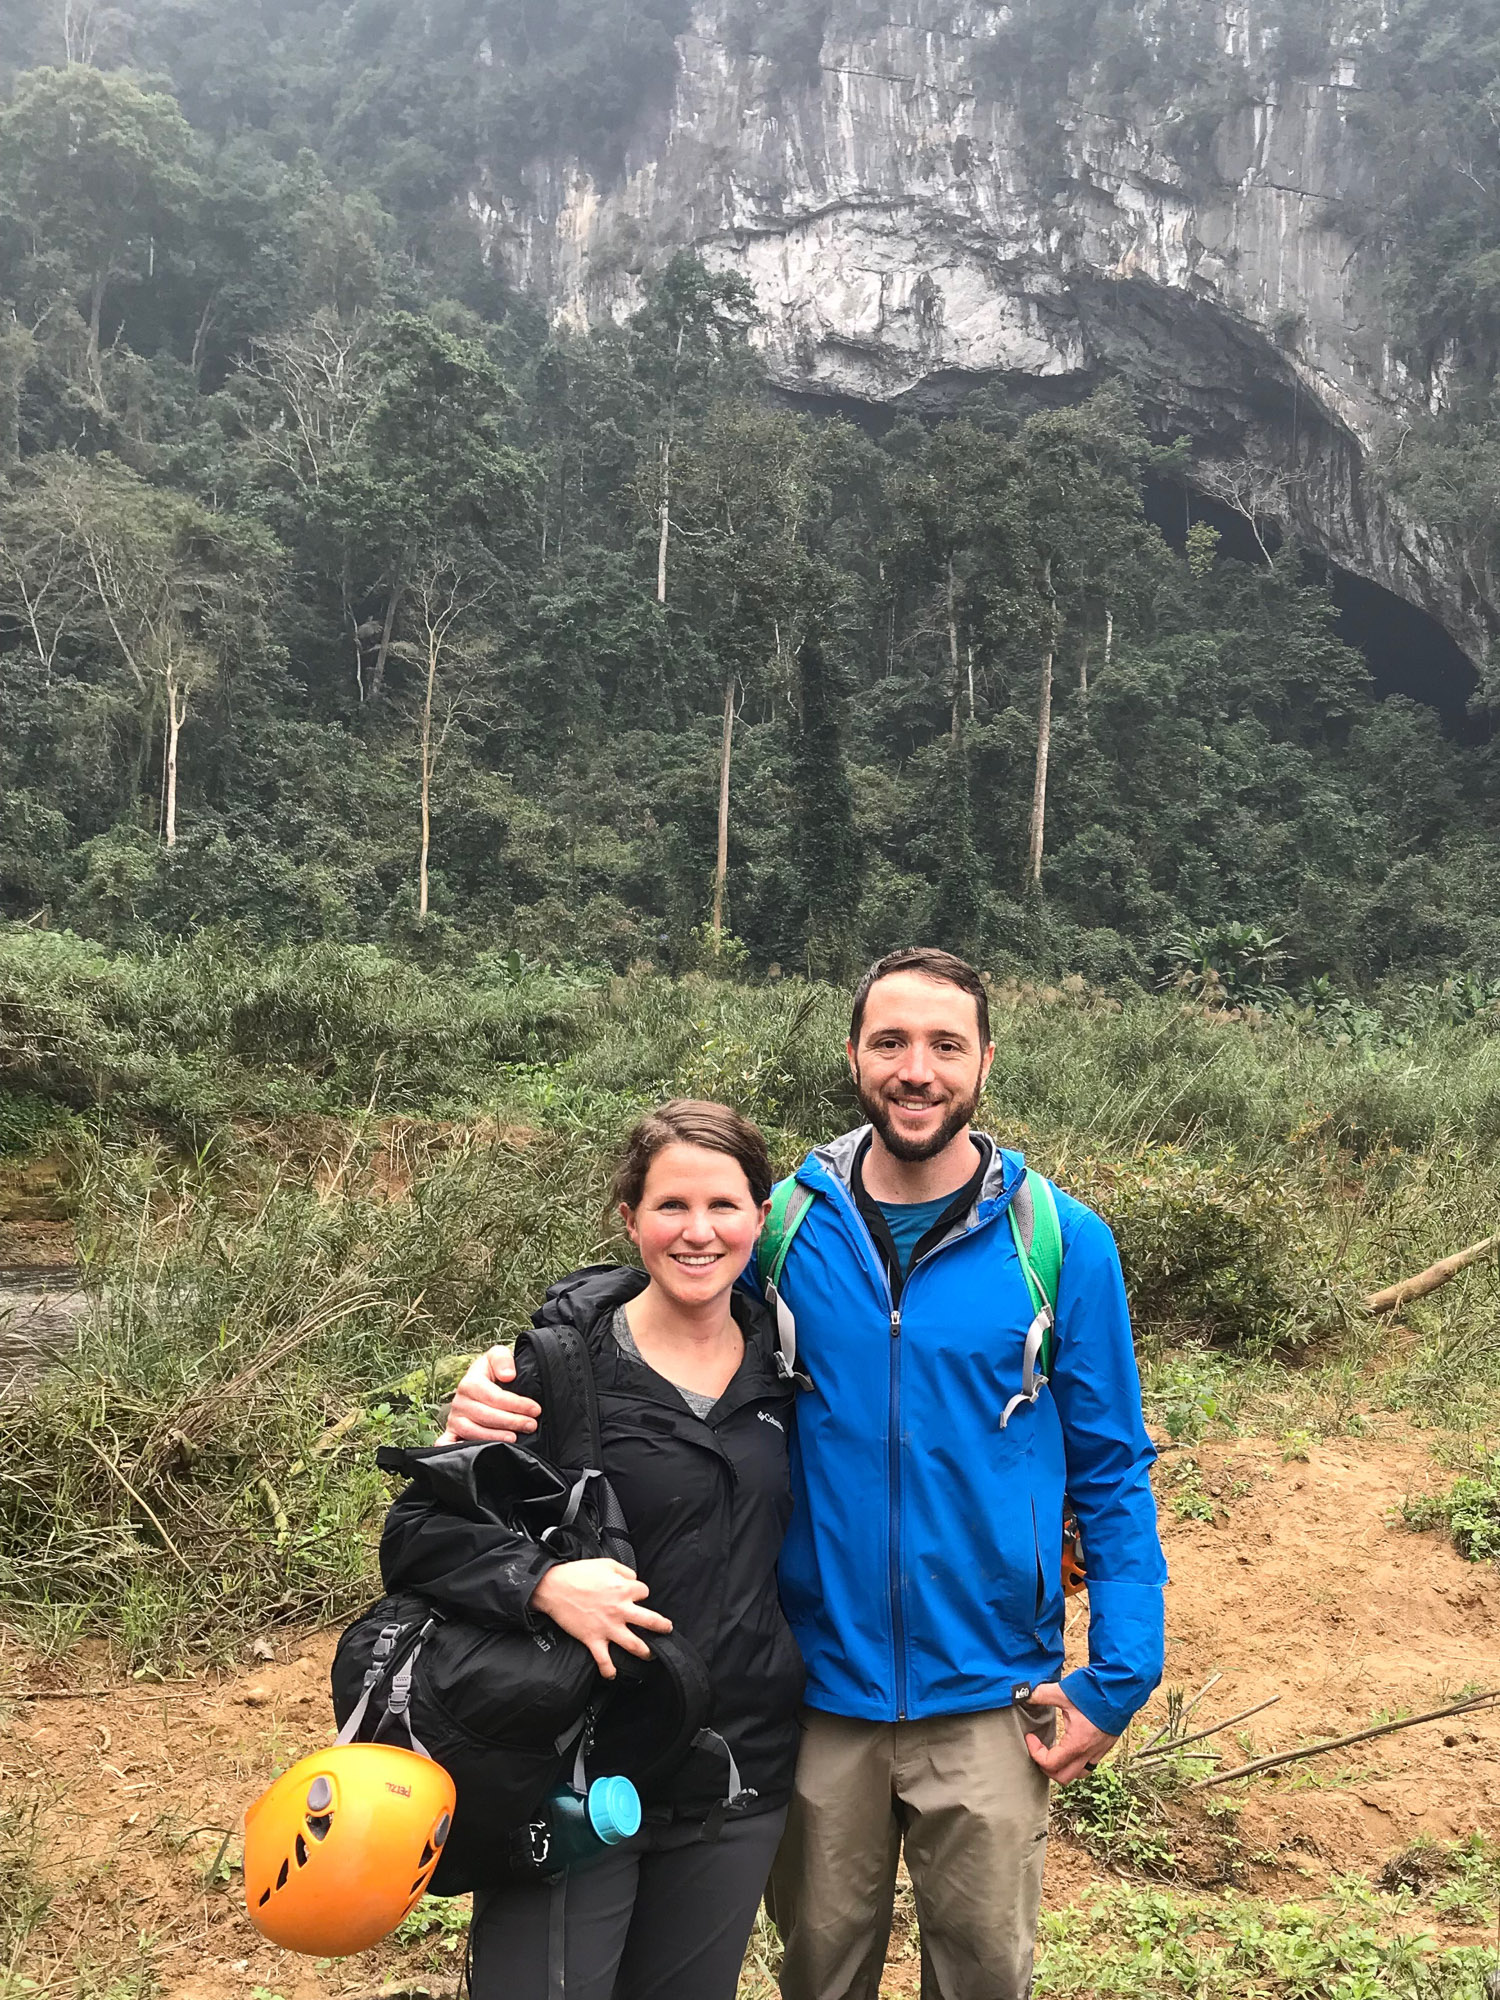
<point>1038,1236</point>
<point>790,1201</point>
<point>570,1437</point>
<point>569,1399</point>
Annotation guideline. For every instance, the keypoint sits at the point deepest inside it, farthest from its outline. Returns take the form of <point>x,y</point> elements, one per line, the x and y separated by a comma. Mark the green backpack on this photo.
<point>1033,1223</point>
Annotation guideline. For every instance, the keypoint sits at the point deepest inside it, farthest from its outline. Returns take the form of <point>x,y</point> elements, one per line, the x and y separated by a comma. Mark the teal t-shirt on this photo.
<point>909,1222</point>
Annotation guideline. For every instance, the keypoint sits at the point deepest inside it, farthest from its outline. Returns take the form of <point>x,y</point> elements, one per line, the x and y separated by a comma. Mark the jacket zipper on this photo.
<point>898,1580</point>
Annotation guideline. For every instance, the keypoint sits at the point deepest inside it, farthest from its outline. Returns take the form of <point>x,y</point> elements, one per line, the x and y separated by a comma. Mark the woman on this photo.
<point>694,1417</point>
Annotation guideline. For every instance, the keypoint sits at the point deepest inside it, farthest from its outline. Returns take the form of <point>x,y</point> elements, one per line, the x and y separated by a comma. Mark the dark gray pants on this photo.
<point>665,1917</point>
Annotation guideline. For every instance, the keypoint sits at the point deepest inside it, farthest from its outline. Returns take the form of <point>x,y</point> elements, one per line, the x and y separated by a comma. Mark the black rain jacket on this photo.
<point>707,1501</point>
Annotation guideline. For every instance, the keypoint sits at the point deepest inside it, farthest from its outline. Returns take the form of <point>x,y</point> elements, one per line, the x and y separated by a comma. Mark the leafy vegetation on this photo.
<point>1150,1945</point>
<point>304,1184</point>
<point>343,602</point>
<point>1469,1510</point>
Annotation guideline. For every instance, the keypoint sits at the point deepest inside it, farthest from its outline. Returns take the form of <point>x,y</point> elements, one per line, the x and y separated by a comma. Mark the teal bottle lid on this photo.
<point>614,1809</point>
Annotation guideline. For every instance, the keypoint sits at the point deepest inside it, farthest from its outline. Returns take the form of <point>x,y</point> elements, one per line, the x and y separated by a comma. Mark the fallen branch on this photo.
<point>109,1465</point>
<point>55,1694</point>
<point>1343,1742</point>
<point>1176,1743</point>
<point>1212,1682</point>
<point>1395,1296</point>
<point>95,1694</point>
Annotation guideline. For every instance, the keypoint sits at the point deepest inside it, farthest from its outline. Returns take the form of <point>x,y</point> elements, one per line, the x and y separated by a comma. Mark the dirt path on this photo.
<point>1301,1586</point>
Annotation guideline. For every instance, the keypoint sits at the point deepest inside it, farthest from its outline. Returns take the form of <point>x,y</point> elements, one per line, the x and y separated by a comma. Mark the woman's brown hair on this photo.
<point>689,1121</point>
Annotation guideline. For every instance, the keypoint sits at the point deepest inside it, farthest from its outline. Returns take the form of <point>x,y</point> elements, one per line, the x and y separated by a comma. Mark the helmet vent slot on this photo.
<point>318,1825</point>
<point>426,1855</point>
<point>265,1897</point>
<point>286,1869</point>
<point>301,1852</point>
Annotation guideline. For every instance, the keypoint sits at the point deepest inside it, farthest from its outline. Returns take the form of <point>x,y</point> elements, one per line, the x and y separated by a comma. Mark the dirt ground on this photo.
<point>1302,1586</point>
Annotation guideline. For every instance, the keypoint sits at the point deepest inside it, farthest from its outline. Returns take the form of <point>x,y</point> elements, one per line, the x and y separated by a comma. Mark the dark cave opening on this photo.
<point>1407,650</point>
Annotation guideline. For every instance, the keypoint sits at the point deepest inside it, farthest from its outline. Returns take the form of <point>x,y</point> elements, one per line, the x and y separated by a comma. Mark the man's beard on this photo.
<point>912,1150</point>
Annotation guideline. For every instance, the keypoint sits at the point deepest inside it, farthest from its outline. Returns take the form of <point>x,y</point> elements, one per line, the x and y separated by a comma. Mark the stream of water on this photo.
<point>38,1310</point>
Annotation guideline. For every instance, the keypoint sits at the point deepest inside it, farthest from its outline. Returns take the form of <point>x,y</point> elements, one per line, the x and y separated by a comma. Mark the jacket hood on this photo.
<point>587,1295</point>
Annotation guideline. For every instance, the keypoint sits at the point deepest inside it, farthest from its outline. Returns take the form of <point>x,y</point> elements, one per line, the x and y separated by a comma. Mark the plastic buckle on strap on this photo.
<point>1032,1383</point>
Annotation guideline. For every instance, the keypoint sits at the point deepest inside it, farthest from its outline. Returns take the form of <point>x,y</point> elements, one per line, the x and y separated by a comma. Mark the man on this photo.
<point>922,1570</point>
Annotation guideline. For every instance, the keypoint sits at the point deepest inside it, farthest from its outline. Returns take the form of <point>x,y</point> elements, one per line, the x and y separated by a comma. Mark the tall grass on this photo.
<point>202,1464</point>
<point>304,1185</point>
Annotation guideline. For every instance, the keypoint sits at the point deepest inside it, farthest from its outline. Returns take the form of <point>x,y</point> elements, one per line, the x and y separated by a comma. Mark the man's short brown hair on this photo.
<point>931,964</point>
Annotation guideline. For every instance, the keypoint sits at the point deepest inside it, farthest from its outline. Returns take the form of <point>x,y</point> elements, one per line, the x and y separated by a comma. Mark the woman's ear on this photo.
<point>627,1216</point>
<point>765,1210</point>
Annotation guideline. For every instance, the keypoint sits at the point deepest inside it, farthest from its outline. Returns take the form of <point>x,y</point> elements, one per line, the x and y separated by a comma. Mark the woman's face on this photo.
<point>696,1223</point>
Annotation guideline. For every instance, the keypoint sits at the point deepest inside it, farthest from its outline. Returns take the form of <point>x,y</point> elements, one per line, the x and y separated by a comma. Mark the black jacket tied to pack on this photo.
<point>705,1501</point>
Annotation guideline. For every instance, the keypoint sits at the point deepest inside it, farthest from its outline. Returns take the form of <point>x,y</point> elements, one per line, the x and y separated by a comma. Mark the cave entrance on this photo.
<point>1407,651</point>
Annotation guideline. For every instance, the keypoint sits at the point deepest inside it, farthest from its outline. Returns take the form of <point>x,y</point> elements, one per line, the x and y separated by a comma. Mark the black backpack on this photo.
<point>507,1711</point>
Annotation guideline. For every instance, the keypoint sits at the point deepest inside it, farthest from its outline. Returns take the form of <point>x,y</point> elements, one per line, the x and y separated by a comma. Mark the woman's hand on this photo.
<point>598,1602</point>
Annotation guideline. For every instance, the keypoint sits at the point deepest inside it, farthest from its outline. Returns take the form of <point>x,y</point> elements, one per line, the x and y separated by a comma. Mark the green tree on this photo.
<point>100,170</point>
<point>689,333</point>
<point>174,593</point>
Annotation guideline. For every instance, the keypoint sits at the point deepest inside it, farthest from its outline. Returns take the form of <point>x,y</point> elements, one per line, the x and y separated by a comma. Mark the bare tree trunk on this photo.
<point>971,683</point>
<point>1043,752</point>
<point>377,672</point>
<point>665,512</point>
<point>176,716</point>
<point>953,648</point>
<point>200,337</point>
<point>1039,789</point>
<point>96,320</point>
<point>1083,672</point>
<point>721,867</point>
<point>352,616</point>
<point>432,660</point>
<point>1109,637</point>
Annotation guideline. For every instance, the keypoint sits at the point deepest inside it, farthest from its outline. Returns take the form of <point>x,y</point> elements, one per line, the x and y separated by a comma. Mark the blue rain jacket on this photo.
<point>922,1571</point>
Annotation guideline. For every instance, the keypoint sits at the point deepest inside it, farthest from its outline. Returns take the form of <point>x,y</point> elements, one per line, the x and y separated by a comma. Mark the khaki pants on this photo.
<point>964,1795</point>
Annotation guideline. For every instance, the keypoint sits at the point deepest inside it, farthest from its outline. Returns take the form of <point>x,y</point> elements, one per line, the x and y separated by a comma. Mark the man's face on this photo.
<point>919,1067</point>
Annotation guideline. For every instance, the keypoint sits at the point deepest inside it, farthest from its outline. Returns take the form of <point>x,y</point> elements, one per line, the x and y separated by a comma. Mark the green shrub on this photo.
<point>1469,1510</point>
<point>1117,1815</point>
<point>1212,1252</point>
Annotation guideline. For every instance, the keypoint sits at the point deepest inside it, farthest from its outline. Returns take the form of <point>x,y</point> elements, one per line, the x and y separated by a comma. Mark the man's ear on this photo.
<point>853,1060</point>
<point>987,1063</point>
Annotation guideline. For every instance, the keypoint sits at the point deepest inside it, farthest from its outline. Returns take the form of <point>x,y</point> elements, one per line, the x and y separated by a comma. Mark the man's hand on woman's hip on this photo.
<point>1079,1745</point>
<point>484,1410</point>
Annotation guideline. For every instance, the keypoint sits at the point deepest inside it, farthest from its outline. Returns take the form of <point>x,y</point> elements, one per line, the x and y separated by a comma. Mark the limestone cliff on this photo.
<point>907,236</point>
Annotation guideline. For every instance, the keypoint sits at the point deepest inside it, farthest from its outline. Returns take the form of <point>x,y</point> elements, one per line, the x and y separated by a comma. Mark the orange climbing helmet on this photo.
<point>342,1846</point>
